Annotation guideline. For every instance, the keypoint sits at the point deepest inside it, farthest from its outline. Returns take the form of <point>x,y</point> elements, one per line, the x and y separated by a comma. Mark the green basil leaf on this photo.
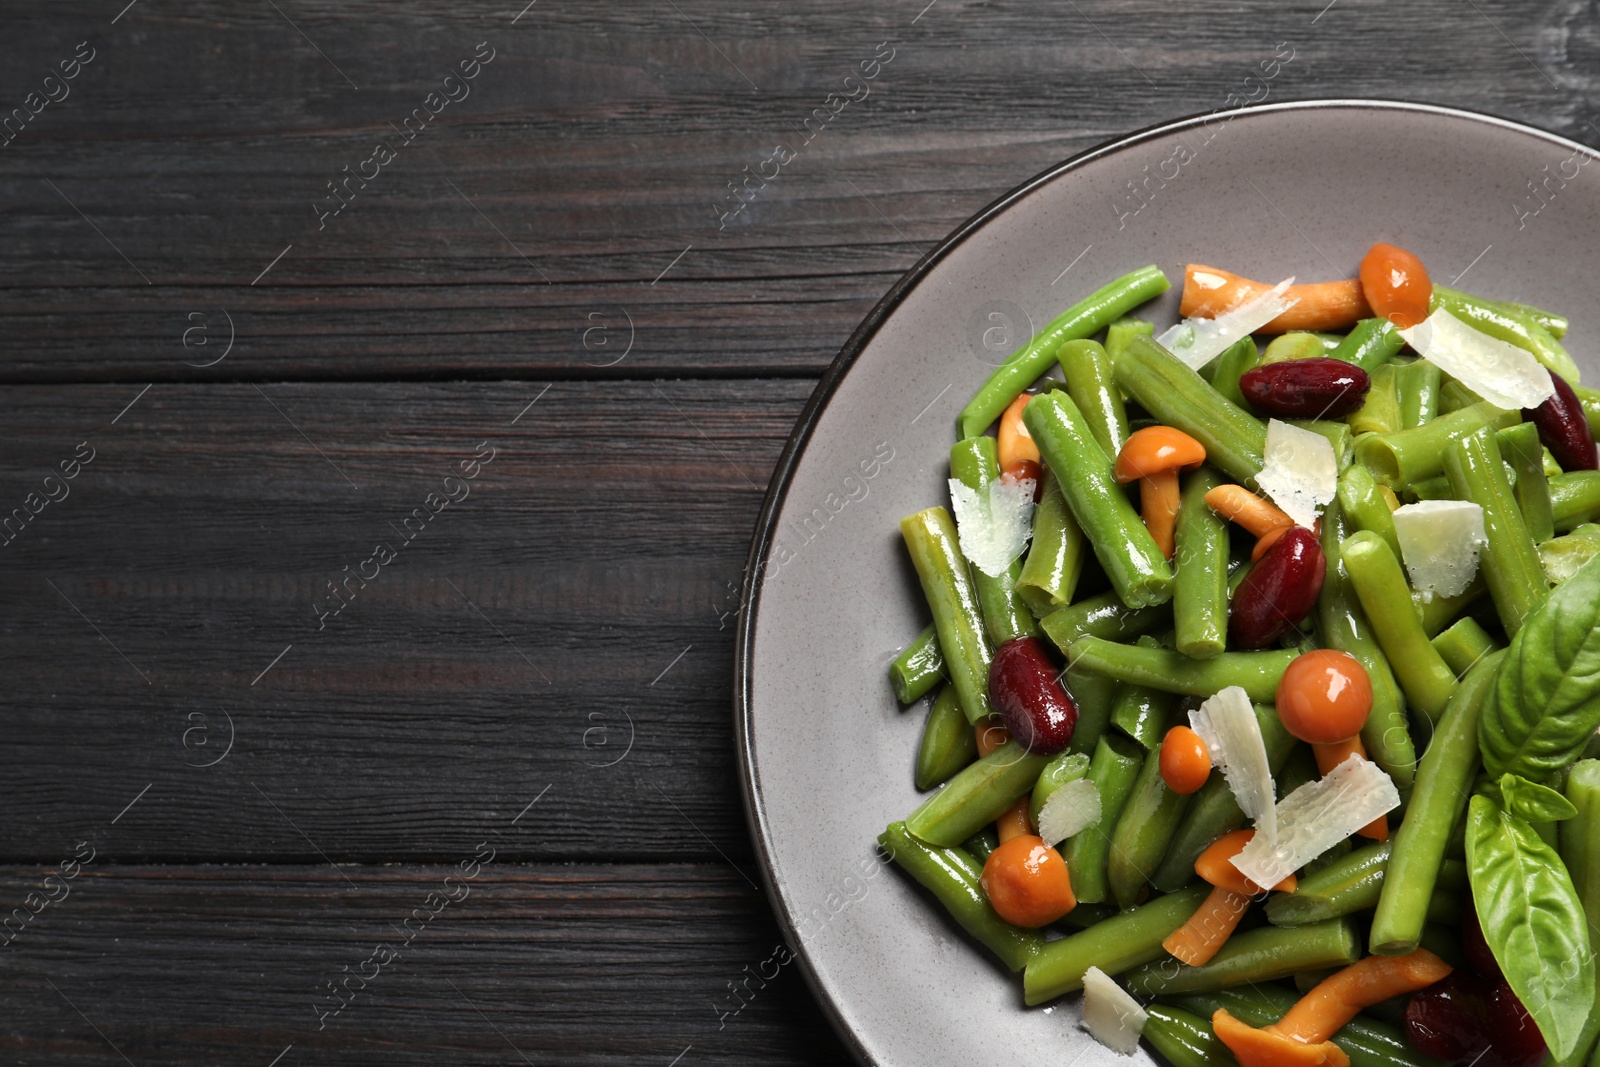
<point>1545,704</point>
<point>1533,921</point>
<point>1534,802</point>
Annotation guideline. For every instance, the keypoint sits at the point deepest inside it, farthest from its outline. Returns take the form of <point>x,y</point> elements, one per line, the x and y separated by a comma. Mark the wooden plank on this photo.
<point>594,150</point>
<point>585,581</point>
<point>549,964</point>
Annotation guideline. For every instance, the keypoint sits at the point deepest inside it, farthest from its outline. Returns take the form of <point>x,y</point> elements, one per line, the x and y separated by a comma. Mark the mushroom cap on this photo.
<point>1155,449</point>
<point>1213,866</point>
<point>1263,1048</point>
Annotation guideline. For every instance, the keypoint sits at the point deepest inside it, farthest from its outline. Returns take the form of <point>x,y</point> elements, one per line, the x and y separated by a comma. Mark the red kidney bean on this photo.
<point>1025,689</point>
<point>1564,429</point>
<point>1318,388</point>
<point>1279,591</point>
<point>1470,1019</point>
<point>1476,947</point>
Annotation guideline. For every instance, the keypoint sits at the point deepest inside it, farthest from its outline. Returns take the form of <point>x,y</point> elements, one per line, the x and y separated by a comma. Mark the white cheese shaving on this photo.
<point>1229,727</point>
<point>1301,474</point>
<point>993,525</point>
<point>1496,370</point>
<point>1440,540</point>
<point>1110,1014</point>
<point>1196,342</point>
<point>1071,809</point>
<point>1318,816</point>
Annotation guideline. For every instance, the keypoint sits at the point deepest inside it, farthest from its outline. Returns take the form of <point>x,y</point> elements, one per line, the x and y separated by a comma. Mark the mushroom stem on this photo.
<point>1209,928</point>
<point>1329,757</point>
<point>1158,500</point>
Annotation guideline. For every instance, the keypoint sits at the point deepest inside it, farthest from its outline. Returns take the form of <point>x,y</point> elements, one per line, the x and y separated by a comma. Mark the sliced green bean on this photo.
<point>1121,942</point>
<point>1521,448</point>
<point>1063,768</point>
<point>1264,954</point>
<point>948,744</point>
<point>1149,819</point>
<point>1339,435</point>
<point>1380,411</point>
<point>1435,488</point>
<point>1454,396</point>
<point>1418,384</point>
<point>1173,672</point>
<point>1089,383</point>
<point>1140,712</point>
<point>1083,319</point>
<point>1050,574</point>
<point>1370,344</point>
<point>975,464</point>
<point>1233,438</point>
<point>1364,505</point>
<point>1574,499</point>
<point>930,537</point>
<point>1138,569</point>
<point>919,668</point>
<point>1379,584</point>
<point>1353,883</point>
<point>951,875</point>
<point>1293,345</point>
<point>980,844</point>
<point>1114,770</point>
<point>1367,1041</point>
<point>1182,1038</point>
<point>1508,324</point>
<point>1298,770</point>
<point>1200,581</point>
<point>1225,371</point>
<point>1590,399</point>
<point>1095,695</point>
<point>1510,561</point>
<point>978,795</point>
<point>1124,330</point>
<point>1550,320</point>
<point>1439,612</point>
<point>1562,556</point>
<point>1464,644</point>
<point>1104,616</point>
<point>1215,811</point>
<point>1580,850</point>
<point>1407,456</point>
<point>1444,780</point>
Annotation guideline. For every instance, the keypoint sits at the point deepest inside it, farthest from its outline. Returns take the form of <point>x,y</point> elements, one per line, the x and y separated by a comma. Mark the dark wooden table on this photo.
<point>368,576</point>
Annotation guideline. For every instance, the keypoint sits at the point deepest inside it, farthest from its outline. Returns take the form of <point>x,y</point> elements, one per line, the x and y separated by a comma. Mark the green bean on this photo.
<point>1363,505</point>
<point>1200,583</point>
<point>1124,330</point>
<point>919,668</point>
<point>1353,883</point>
<point>1407,456</point>
<point>1379,584</point>
<point>1063,768</point>
<point>1521,448</point>
<point>1182,1038</point>
<point>1140,712</point>
<point>1083,319</point>
<point>1550,320</point>
<point>1298,770</point>
<point>1508,324</point>
<point>980,844</point>
<point>1370,344</point>
<point>1121,942</point>
<point>1055,559</point>
<point>1435,488</point>
<point>978,795</point>
<point>974,463</point>
<point>1095,695</point>
<point>1149,819</point>
<point>1173,672</point>
<point>1439,612</point>
<point>1339,435</point>
<point>1264,954</point>
<point>948,744</point>
<point>1089,383</point>
<point>1453,396</point>
<point>1380,411</point>
<point>1113,771</point>
<point>930,537</point>
<point>1084,915</point>
<point>1223,373</point>
<point>1562,556</point>
<point>1438,800</point>
<point>1104,616</point>
<point>1590,399</point>
<point>1417,384</point>
<point>1574,499</point>
<point>1464,644</point>
<point>1510,561</point>
<point>1293,345</point>
<point>1367,1041</point>
<point>952,877</point>
<point>1214,810</point>
<point>1579,838</point>
<point>1233,438</point>
<point>1138,569</point>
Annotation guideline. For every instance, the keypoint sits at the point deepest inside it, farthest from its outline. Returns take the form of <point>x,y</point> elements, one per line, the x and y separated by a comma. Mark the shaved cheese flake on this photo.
<point>1229,727</point>
<point>1496,370</point>
<point>1301,474</point>
<point>1196,342</point>
<point>1318,816</point>
<point>1071,809</point>
<point>1111,1016</point>
<point>993,525</point>
<point>1440,540</point>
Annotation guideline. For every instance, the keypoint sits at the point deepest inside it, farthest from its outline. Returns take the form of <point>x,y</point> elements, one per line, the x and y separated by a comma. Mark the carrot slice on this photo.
<point>1263,1048</point>
<point>1015,821</point>
<point>1329,757</point>
<point>1208,292</point>
<point>1319,1014</point>
<point>1158,503</point>
<point>1240,505</point>
<point>1209,928</point>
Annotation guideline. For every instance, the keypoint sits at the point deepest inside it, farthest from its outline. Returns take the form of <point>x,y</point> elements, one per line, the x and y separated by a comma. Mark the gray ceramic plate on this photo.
<point>826,752</point>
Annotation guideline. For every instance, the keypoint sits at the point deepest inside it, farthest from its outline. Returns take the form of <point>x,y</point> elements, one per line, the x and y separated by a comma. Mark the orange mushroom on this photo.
<point>1209,928</point>
<point>1013,443</point>
<point>1336,305</point>
<point>1155,455</point>
<point>1302,1038</point>
<point>1238,504</point>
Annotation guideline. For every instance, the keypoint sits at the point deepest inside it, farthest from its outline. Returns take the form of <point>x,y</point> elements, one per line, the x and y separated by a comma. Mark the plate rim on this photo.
<point>800,436</point>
